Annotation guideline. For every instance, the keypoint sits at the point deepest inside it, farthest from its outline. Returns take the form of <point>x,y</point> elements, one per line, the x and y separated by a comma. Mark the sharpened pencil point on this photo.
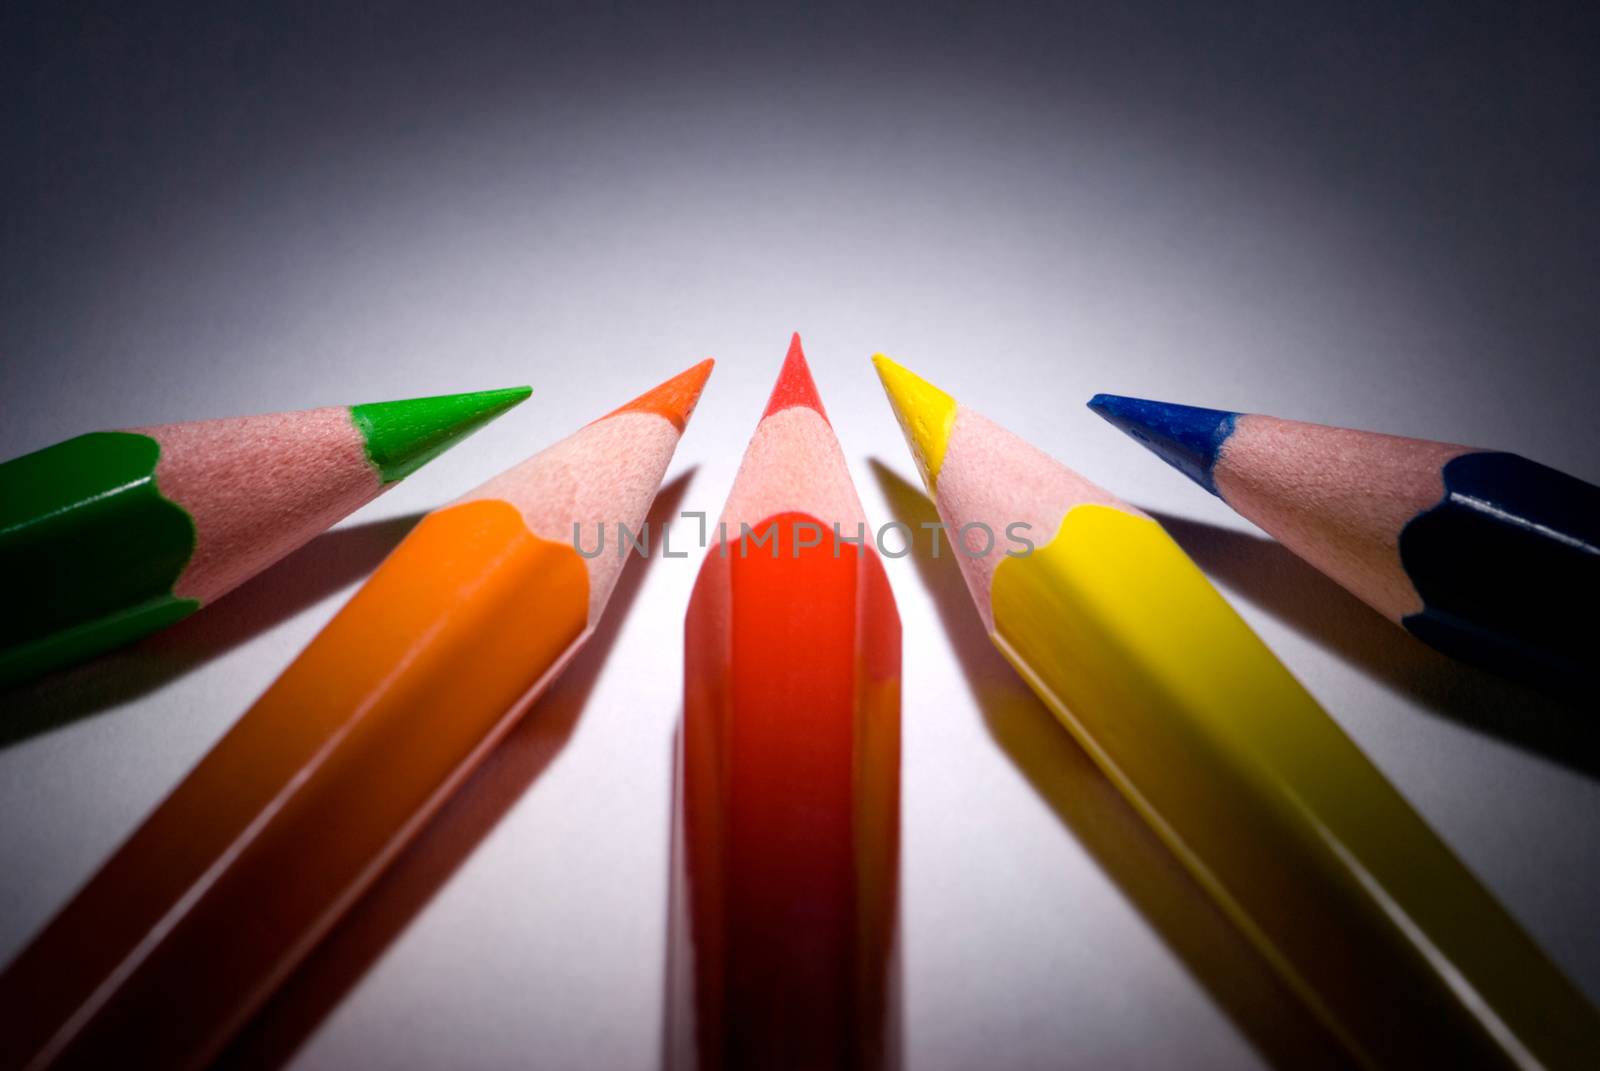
<point>795,385</point>
<point>675,399</point>
<point>1184,436</point>
<point>926,415</point>
<point>403,436</point>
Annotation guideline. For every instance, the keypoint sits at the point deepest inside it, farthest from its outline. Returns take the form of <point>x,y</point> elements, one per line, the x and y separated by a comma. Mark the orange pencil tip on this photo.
<point>675,399</point>
<point>795,385</point>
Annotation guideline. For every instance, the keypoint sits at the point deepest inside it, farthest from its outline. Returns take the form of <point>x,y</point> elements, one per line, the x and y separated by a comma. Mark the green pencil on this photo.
<point>110,536</point>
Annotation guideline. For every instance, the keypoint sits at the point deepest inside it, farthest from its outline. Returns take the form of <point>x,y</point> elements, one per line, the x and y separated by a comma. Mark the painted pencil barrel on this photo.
<point>1274,809</point>
<point>90,551</point>
<point>229,882</point>
<point>1507,566</point>
<point>790,807</point>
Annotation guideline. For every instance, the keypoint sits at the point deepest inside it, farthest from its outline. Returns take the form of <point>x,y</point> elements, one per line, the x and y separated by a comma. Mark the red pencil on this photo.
<point>789,766</point>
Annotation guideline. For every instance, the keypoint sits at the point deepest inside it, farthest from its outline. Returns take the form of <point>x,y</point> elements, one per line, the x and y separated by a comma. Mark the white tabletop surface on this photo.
<point>1381,223</point>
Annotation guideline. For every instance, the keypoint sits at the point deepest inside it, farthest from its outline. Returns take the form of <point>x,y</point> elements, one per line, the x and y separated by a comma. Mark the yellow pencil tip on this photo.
<point>926,415</point>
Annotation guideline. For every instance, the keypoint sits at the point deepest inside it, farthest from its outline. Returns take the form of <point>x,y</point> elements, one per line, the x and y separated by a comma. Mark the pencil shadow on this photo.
<point>321,567</point>
<point>1216,954</point>
<point>1268,574</point>
<point>381,914</point>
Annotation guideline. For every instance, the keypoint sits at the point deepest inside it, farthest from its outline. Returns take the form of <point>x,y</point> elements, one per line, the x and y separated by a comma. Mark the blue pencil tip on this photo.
<point>1185,437</point>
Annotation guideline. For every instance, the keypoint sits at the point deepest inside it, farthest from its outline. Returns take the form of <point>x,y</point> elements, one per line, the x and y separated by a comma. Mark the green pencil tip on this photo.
<point>403,436</point>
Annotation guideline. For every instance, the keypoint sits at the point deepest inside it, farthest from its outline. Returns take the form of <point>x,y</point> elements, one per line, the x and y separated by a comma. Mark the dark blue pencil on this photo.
<point>1489,557</point>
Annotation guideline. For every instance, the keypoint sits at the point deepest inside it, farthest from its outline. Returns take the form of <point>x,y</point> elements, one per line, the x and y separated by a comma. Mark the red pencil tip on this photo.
<point>795,386</point>
<point>675,399</point>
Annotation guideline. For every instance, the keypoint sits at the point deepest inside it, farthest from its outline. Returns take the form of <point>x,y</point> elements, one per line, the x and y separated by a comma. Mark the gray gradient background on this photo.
<point>1381,218</point>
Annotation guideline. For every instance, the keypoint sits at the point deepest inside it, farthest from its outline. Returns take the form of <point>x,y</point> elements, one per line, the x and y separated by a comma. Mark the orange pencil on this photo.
<point>790,766</point>
<point>237,874</point>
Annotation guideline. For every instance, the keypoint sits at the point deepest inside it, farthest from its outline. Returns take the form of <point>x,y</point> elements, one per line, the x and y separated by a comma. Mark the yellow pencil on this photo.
<point>1332,875</point>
